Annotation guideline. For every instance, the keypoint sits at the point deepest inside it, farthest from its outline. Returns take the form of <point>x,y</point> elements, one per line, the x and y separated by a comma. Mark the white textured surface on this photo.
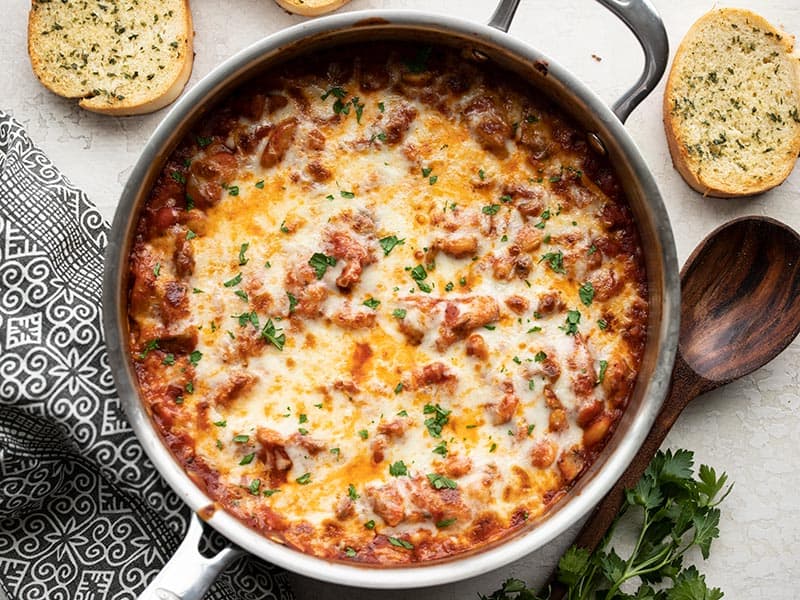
<point>750,428</point>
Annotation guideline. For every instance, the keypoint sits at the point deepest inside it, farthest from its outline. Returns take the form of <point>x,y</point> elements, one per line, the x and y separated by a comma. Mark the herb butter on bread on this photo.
<point>117,57</point>
<point>731,105</point>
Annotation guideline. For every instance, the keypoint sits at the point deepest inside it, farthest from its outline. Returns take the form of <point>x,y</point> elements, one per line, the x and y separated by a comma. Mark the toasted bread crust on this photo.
<point>310,8</point>
<point>116,62</point>
<point>732,105</point>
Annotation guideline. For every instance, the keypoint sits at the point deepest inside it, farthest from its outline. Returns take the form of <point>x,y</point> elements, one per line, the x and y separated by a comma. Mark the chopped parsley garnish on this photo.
<point>433,179</point>
<point>269,493</point>
<point>177,176</point>
<point>320,263</point>
<point>247,317</point>
<point>189,387</point>
<point>441,482</point>
<point>242,258</point>
<point>169,360</point>
<point>493,447</point>
<point>304,479</point>
<point>389,242</point>
<point>346,194</point>
<point>602,324</point>
<point>398,388</point>
<point>481,174</point>
<point>329,197</point>
<point>531,427</point>
<point>400,313</point>
<point>398,468</point>
<point>235,281</point>
<point>545,216</point>
<point>190,235</point>
<point>195,357</point>
<point>274,336</point>
<point>242,294</point>
<point>260,184</point>
<point>400,543</point>
<point>369,524</point>
<point>540,356</point>
<point>283,227</point>
<point>534,329</point>
<point>302,418</point>
<point>349,552</point>
<point>531,384</point>
<point>359,106</point>
<point>203,141</point>
<point>490,209</point>
<point>242,438</point>
<point>381,107</point>
<point>462,281</point>
<point>372,303</point>
<point>292,301</point>
<point>505,198</point>
<point>555,260</point>
<point>445,522</point>
<point>586,293</point>
<point>233,190</point>
<point>336,92</point>
<point>255,486</point>
<point>426,171</point>
<point>571,325</point>
<point>247,458</point>
<point>441,448</point>
<point>352,493</point>
<point>449,287</point>
<point>363,434</point>
<point>439,419</point>
<point>419,274</point>
<point>601,375</point>
<point>222,423</point>
<point>157,269</point>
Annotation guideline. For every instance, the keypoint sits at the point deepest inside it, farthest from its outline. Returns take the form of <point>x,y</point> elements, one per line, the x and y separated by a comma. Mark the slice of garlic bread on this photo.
<point>731,105</point>
<point>119,58</point>
<point>310,8</point>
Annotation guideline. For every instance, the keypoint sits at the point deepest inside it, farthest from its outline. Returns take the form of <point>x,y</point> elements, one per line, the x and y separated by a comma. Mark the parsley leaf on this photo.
<point>441,482</point>
<point>440,418</point>
<point>389,242</point>
<point>320,263</point>
<point>398,469</point>
<point>672,511</point>
<point>274,336</point>
<point>586,293</point>
<point>555,260</point>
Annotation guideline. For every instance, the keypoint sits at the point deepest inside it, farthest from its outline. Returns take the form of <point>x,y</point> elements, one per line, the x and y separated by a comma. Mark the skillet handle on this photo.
<point>642,19</point>
<point>188,574</point>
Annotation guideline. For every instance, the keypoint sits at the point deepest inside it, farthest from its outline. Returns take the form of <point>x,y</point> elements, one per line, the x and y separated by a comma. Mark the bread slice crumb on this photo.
<point>118,58</point>
<point>732,105</point>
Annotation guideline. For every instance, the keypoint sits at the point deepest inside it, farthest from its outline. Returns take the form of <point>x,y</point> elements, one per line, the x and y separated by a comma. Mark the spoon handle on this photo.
<point>685,386</point>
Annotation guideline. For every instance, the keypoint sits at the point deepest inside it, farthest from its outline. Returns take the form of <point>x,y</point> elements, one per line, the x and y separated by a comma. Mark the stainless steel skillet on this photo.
<point>188,574</point>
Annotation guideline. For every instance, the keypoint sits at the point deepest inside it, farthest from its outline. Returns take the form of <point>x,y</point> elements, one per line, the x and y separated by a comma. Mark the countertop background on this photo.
<point>749,428</point>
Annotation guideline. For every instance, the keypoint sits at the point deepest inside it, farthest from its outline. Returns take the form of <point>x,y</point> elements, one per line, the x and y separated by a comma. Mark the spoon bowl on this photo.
<point>740,298</point>
<point>740,307</point>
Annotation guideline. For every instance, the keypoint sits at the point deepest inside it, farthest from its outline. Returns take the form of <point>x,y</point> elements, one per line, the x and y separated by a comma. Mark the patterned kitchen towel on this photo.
<point>83,513</point>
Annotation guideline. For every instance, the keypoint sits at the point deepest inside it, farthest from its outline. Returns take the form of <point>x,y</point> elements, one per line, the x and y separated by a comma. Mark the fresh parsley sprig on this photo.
<point>675,511</point>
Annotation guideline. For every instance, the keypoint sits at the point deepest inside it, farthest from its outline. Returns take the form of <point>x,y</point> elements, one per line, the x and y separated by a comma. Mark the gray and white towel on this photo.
<point>83,513</point>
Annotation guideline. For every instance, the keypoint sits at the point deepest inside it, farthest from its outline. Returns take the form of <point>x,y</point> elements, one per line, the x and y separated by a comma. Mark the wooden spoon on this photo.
<point>740,307</point>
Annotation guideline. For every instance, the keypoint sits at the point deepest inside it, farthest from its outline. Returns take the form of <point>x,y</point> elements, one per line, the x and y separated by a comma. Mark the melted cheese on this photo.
<point>376,460</point>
